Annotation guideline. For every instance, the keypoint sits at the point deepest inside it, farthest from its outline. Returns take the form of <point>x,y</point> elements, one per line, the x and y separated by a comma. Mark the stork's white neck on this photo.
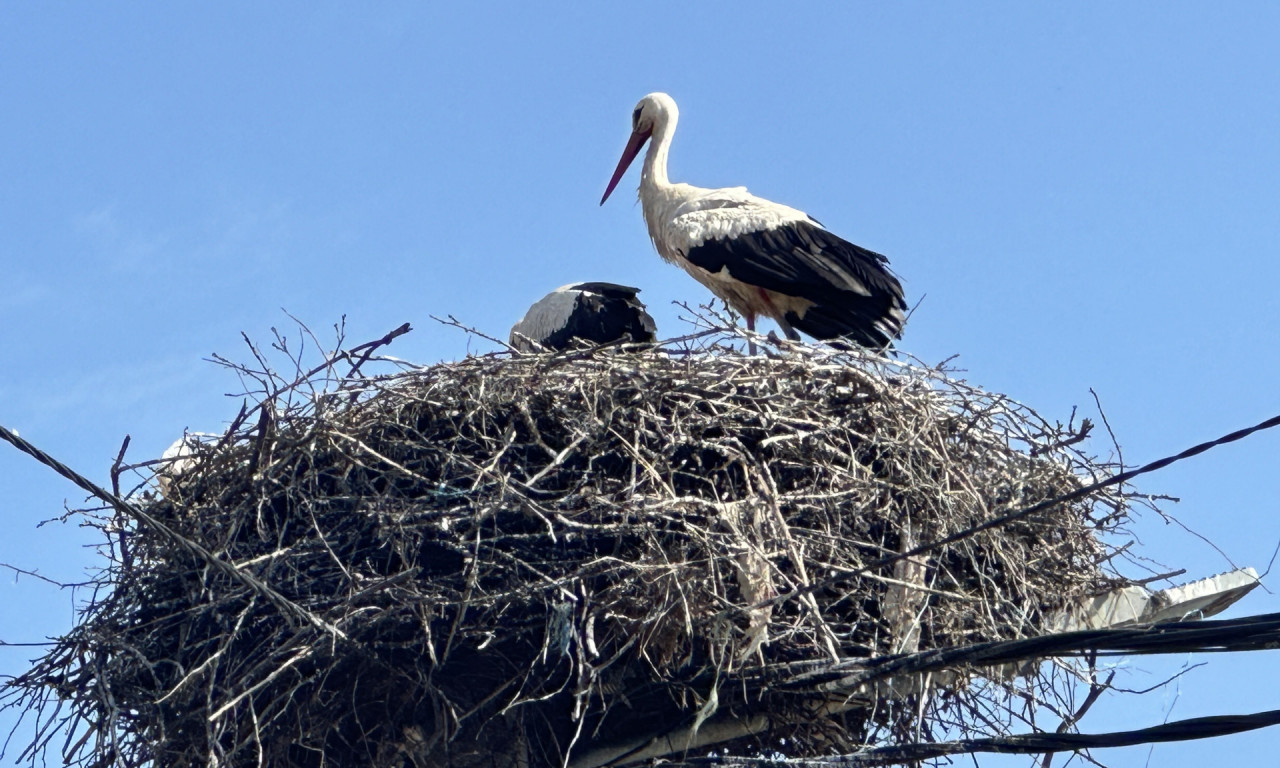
<point>654,175</point>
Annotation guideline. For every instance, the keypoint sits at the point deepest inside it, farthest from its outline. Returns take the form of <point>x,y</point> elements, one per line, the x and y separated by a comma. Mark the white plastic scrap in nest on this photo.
<point>1136,604</point>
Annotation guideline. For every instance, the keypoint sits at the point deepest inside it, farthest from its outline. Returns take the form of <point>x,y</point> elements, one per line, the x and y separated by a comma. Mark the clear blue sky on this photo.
<point>1087,195</point>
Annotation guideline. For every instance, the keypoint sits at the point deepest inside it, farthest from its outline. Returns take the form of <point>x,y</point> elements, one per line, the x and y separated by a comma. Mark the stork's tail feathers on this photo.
<point>871,322</point>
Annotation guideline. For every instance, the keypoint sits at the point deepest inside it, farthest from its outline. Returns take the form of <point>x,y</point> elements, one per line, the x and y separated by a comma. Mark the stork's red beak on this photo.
<point>637,141</point>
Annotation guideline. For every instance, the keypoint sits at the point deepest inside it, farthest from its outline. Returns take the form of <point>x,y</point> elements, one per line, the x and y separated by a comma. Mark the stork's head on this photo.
<point>654,113</point>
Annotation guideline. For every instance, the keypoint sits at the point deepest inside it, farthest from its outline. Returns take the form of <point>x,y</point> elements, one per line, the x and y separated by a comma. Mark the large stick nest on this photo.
<point>557,559</point>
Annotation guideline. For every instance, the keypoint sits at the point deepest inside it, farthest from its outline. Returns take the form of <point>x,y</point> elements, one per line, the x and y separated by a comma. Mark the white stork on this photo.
<point>181,457</point>
<point>762,258</point>
<point>599,313</point>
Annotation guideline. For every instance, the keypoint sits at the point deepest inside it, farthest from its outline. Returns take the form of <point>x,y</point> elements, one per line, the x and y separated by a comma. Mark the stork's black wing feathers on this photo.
<point>798,259</point>
<point>804,260</point>
<point>604,313</point>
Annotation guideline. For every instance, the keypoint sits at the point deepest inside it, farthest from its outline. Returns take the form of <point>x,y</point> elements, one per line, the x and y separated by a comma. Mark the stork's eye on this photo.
<point>635,118</point>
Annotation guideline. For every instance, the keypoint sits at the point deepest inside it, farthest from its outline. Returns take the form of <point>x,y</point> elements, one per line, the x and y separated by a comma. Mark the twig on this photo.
<point>1159,577</point>
<point>454,323</point>
<point>46,579</point>
<point>115,466</point>
<point>366,350</point>
<point>1080,435</point>
<point>1097,401</point>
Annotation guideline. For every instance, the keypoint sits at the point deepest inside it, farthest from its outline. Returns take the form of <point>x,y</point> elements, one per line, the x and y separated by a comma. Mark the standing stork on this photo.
<point>761,257</point>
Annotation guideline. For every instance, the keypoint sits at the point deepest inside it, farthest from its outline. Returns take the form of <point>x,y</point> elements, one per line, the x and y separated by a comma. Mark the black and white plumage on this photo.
<point>761,257</point>
<point>597,313</point>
